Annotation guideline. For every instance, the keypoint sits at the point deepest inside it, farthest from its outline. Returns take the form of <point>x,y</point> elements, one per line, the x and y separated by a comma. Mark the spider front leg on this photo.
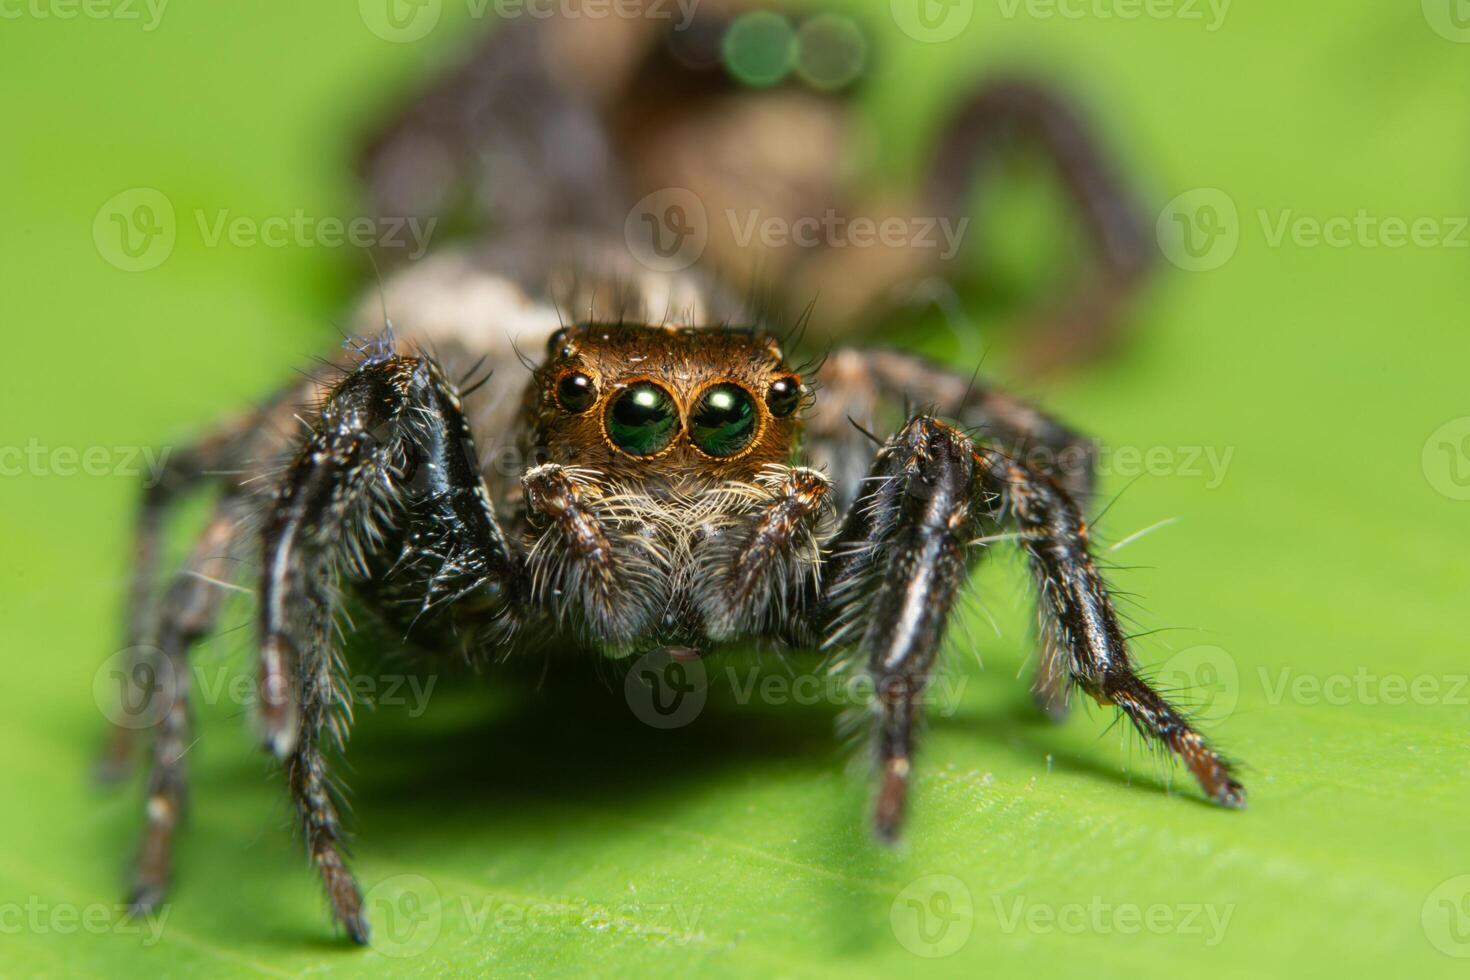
<point>902,556</point>
<point>391,456</point>
<point>894,572</point>
<point>1079,620</point>
<point>866,385</point>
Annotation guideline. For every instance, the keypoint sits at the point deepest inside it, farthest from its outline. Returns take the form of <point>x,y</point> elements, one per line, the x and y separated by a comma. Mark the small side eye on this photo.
<point>576,392</point>
<point>783,396</point>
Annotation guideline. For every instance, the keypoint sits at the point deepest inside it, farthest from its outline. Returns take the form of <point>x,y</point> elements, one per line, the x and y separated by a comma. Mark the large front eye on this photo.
<point>642,420</point>
<point>723,421</point>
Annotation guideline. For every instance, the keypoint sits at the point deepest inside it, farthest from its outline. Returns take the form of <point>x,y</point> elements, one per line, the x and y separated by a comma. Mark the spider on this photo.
<point>566,123</point>
<point>681,481</point>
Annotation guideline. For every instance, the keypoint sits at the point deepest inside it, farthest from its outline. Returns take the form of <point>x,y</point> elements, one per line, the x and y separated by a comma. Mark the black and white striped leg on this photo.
<point>894,572</point>
<point>1080,623</point>
<point>390,450</point>
<point>862,381</point>
<point>897,565</point>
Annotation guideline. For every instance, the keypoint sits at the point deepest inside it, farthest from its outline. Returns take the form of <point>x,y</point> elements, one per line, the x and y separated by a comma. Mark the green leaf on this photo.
<point>1285,407</point>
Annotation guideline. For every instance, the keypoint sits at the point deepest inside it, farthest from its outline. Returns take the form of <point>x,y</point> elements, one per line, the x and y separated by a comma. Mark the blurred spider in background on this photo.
<point>686,137</point>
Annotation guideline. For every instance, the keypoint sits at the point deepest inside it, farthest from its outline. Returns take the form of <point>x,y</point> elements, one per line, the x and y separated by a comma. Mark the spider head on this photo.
<point>654,404</point>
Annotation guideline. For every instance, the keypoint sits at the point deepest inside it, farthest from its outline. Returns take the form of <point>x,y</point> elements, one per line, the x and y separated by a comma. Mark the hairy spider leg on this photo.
<point>898,564</point>
<point>390,434</point>
<point>1086,324</point>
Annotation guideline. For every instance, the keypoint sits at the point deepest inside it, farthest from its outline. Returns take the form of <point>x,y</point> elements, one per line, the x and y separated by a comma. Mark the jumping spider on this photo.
<point>686,484</point>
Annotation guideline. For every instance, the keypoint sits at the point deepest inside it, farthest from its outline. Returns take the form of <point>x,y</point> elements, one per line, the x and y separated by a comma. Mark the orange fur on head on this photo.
<point>684,362</point>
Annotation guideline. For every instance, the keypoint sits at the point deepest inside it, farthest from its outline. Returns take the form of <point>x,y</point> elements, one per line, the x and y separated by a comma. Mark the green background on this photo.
<point>1332,548</point>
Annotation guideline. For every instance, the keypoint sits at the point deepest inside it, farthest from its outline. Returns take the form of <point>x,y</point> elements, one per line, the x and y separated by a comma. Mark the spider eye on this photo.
<point>642,420</point>
<point>783,396</point>
<point>576,392</point>
<point>723,421</point>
